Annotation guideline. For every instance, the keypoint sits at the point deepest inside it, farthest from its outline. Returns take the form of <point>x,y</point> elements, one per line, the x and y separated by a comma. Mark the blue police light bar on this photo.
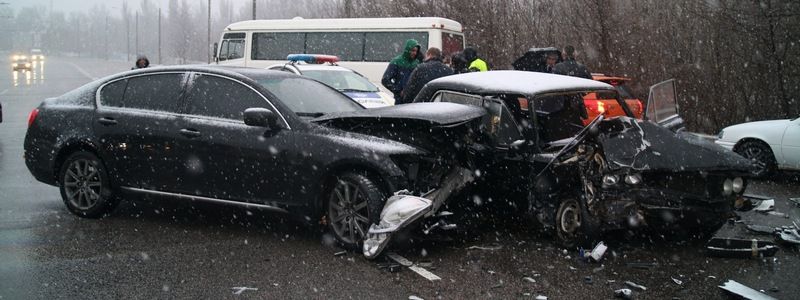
<point>313,58</point>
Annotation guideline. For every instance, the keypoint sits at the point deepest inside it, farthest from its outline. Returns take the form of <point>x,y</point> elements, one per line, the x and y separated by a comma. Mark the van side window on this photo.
<point>276,46</point>
<point>348,46</point>
<point>383,46</point>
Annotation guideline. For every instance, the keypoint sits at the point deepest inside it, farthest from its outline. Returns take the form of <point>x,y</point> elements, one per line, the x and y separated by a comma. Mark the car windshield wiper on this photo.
<point>357,91</point>
<point>310,114</point>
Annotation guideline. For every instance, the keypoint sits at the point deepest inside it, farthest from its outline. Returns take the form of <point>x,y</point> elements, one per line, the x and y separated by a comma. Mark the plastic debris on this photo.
<point>528,279</point>
<point>340,253</point>
<point>588,280</point>
<point>636,286</point>
<point>761,229</point>
<point>598,251</point>
<point>795,201</point>
<point>789,236</point>
<point>765,205</point>
<point>740,290</point>
<point>778,214</point>
<point>623,293</point>
<point>677,281</point>
<point>740,248</point>
<point>412,297</point>
<point>238,290</point>
<point>488,248</point>
<point>541,297</point>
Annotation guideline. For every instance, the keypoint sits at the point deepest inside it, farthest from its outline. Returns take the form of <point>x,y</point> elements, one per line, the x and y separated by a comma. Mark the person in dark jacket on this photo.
<point>432,68</point>
<point>570,67</point>
<point>399,70</point>
<point>141,62</point>
<point>459,63</point>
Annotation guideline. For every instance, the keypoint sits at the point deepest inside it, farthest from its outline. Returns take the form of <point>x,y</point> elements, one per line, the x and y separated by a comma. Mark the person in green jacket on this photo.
<point>399,70</point>
<point>475,63</point>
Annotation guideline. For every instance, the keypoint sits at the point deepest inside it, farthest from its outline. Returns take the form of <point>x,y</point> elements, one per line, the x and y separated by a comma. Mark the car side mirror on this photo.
<point>261,117</point>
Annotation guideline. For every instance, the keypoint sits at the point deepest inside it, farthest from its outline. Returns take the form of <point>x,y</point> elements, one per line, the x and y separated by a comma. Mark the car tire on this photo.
<point>573,225</point>
<point>354,202</point>
<point>761,154</point>
<point>85,186</point>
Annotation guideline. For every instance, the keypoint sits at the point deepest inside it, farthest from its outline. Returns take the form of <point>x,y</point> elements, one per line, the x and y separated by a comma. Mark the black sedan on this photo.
<point>238,136</point>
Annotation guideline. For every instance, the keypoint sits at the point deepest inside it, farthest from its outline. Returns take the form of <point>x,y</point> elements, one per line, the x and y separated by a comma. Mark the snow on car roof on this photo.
<point>514,82</point>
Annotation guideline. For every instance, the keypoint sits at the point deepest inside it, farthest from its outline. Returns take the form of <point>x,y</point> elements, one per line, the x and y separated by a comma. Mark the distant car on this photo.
<point>21,62</point>
<point>37,55</point>
<point>771,144</point>
<point>597,103</point>
<point>323,68</point>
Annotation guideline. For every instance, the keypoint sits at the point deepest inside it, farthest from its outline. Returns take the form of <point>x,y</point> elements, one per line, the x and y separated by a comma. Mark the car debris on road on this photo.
<point>739,290</point>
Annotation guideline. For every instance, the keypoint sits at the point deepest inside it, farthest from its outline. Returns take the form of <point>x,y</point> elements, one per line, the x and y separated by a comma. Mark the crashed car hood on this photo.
<point>642,145</point>
<point>439,113</point>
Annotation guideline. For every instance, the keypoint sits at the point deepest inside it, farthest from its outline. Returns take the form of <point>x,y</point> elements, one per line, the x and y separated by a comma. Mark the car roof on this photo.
<point>217,69</point>
<point>513,82</point>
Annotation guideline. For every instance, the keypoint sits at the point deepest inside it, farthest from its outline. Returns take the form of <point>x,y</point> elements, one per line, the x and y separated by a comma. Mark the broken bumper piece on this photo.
<point>398,213</point>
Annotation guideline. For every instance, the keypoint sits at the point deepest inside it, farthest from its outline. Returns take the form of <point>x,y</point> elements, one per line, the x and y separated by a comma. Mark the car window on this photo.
<point>342,80</point>
<point>218,97</point>
<point>158,92</point>
<point>112,94</point>
<point>458,98</point>
<point>306,97</point>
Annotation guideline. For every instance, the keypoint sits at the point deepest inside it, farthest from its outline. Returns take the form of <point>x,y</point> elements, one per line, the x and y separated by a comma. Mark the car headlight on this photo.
<point>727,187</point>
<point>738,184</point>
<point>610,179</point>
<point>15,57</point>
<point>633,179</point>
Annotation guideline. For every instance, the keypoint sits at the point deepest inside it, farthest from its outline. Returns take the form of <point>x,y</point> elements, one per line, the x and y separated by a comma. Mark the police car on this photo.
<point>323,68</point>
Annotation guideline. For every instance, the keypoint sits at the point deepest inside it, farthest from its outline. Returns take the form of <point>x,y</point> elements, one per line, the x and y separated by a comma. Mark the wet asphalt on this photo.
<point>161,248</point>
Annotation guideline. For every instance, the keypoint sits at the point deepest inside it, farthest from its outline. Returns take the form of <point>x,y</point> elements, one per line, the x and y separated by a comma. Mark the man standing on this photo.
<point>475,63</point>
<point>432,68</point>
<point>570,67</point>
<point>399,70</point>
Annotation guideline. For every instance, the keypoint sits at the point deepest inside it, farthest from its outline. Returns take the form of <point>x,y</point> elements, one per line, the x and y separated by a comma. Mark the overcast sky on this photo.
<point>85,5</point>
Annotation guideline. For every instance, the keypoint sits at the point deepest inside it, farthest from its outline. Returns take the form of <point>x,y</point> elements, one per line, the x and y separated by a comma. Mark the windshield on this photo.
<point>345,81</point>
<point>307,97</point>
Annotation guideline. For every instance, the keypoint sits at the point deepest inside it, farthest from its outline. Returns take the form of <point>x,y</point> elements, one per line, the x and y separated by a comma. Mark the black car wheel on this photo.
<point>85,187</point>
<point>354,203</point>
<point>574,227</point>
<point>761,155</point>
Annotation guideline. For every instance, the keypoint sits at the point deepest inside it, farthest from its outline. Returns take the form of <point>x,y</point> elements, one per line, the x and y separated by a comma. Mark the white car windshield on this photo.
<point>344,81</point>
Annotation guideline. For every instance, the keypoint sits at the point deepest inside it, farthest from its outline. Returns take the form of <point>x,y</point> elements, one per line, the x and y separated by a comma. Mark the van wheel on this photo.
<point>354,203</point>
<point>85,187</point>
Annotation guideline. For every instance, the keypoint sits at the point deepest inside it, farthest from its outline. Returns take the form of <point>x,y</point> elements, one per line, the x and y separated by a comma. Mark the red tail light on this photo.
<point>32,116</point>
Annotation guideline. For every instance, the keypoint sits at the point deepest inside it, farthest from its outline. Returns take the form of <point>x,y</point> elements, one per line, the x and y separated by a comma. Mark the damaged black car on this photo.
<point>580,181</point>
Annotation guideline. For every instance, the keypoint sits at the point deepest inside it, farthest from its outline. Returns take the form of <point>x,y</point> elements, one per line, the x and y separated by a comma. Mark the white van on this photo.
<point>365,45</point>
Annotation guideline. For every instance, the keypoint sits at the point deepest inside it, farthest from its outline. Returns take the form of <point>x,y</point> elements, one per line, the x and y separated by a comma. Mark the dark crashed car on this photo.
<point>238,136</point>
<point>533,150</point>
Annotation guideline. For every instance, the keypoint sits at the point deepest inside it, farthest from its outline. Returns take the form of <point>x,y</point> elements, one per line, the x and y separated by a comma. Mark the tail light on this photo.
<point>32,116</point>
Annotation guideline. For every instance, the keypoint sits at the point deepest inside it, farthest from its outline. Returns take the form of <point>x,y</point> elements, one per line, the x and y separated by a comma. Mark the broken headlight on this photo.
<point>738,185</point>
<point>633,179</point>
<point>399,211</point>
<point>727,187</point>
<point>610,179</point>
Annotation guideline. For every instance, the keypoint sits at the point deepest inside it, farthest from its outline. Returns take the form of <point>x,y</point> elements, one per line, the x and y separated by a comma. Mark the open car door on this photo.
<point>662,106</point>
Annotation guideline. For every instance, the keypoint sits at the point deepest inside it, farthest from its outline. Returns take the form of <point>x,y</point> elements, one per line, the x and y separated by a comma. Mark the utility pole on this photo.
<point>78,36</point>
<point>105,42</point>
<point>254,9</point>
<point>159,34</point>
<point>208,41</point>
<point>137,33</point>
<point>128,35</point>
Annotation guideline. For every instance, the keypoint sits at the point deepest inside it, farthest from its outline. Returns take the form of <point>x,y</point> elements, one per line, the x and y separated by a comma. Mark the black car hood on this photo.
<point>438,113</point>
<point>643,145</point>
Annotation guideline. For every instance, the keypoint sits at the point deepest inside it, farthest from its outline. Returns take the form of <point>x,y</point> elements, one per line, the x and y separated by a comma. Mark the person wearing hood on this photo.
<point>399,70</point>
<point>475,63</point>
<point>141,63</point>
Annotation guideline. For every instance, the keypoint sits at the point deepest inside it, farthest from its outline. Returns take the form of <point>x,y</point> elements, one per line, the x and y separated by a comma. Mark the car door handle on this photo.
<point>107,121</point>
<point>190,133</point>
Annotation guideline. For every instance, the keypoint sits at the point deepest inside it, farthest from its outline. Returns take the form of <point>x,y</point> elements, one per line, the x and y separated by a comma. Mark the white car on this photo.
<point>323,68</point>
<point>772,144</point>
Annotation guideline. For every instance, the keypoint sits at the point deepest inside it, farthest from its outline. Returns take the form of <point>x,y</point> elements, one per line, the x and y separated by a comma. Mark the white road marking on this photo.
<point>411,266</point>
<point>83,72</point>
